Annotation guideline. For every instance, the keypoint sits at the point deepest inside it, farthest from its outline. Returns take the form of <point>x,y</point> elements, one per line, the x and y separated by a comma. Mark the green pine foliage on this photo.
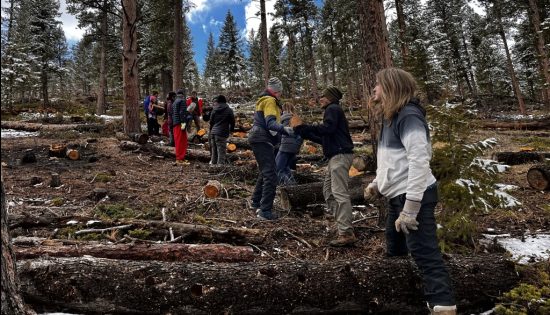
<point>466,182</point>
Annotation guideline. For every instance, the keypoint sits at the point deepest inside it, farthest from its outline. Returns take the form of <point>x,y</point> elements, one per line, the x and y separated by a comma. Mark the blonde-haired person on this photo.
<point>404,177</point>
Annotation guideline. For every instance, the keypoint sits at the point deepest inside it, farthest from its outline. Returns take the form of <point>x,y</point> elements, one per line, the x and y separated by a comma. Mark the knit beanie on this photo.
<point>275,85</point>
<point>332,93</point>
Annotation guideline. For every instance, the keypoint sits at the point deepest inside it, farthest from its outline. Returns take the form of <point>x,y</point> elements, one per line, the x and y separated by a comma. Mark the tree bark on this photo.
<point>12,303</point>
<point>538,177</point>
<point>264,43</point>
<point>102,86</point>
<point>516,158</point>
<point>130,67</point>
<point>160,252</point>
<point>177,60</point>
<point>402,33</point>
<point>98,285</point>
<point>295,197</point>
<point>540,46</point>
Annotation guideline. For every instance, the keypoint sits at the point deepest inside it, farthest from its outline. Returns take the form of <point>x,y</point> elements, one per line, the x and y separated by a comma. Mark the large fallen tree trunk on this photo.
<point>295,197</point>
<point>162,252</point>
<point>391,286</point>
<point>516,158</point>
<point>29,126</point>
<point>520,125</point>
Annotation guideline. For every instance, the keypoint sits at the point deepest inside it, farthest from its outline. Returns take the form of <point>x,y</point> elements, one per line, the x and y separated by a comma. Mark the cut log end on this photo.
<point>73,154</point>
<point>212,189</point>
<point>201,132</point>
<point>231,147</point>
<point>538,177</point>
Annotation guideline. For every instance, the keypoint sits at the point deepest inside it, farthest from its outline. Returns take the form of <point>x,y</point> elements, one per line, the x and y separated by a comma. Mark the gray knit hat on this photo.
<point>275,85</point>
<point>332,93</point>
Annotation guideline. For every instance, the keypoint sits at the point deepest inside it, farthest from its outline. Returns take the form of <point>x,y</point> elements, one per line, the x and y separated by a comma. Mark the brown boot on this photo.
<point>347,239</point>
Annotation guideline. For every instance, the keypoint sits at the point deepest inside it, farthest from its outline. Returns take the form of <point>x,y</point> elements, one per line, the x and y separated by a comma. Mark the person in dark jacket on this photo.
<point>263,137</point>
<point>289,147</point>
<point>168,114</point>
<point>333,134</point>
<point>222,122</point>
<point>180,118</point>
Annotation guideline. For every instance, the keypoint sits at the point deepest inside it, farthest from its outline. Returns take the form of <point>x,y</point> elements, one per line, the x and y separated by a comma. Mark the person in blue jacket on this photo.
<point>288,149</point>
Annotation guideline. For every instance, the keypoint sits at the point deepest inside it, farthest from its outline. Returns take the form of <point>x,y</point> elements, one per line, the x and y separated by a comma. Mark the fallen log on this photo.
<point>519,125</point>
<point>29,126</point>
<point>516,158</point>
<point>99,285</point>
<point>296,197</point>
<point>212,189</point>
<point>161,252</point>
<point>538,177</point>
<point>241,143</point>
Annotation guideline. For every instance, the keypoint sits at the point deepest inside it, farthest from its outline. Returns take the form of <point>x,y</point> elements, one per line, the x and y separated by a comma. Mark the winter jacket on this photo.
<point>333,134</point>
<point>168,112</point>
<point>404,154</point>
<point>198,101</point>
<point>267,117</point>
<point>290,144</point>
<point>181,115</point>
<point>222,120</point>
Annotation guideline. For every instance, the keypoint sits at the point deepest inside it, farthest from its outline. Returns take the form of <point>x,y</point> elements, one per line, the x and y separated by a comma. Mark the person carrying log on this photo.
<point>404,177</point>
<point>180,119</point>
<point>222,122</point>
<point>290,146</point>
<point>263,137</point>
<point>333,134</point>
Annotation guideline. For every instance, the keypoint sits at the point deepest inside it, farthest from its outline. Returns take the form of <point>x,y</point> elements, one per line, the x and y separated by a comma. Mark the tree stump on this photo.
<point>56,180</point>
<point>212,189</point>
<point>72,154</point>
<point>538,177</point>
<point>28,158</point>
<point>57,150</point>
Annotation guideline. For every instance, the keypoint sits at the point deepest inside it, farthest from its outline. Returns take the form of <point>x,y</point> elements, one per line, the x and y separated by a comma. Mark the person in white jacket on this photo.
<point>404,177</point>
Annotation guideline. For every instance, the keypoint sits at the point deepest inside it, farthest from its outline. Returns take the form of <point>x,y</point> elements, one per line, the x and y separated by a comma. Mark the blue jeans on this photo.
<point>284,162</point>
<point>423,246</point>
<point>266,184</point>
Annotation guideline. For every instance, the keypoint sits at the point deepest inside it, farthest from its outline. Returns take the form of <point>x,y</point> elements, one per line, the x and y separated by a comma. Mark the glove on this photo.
<point>371,191</point>
<point>289,131</point>
<point>183,126</point>
<point>407,217</point>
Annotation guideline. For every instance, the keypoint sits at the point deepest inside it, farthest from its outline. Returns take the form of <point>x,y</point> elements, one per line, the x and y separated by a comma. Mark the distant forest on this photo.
<point>453,51</point>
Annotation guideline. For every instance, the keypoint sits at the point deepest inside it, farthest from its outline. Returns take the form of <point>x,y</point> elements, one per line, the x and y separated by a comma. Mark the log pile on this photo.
<point>99,285</point>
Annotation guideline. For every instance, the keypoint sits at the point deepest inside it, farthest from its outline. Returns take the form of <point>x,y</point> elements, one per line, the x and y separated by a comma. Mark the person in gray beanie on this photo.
<point>263,138</point>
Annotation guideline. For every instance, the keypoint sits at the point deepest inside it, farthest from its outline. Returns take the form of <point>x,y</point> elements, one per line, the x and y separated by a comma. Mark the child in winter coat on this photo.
<point>222,122</point>
<point>288,149</point>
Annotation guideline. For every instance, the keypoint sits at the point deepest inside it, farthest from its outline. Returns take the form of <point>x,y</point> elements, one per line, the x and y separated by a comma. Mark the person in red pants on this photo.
<point>180,119</point>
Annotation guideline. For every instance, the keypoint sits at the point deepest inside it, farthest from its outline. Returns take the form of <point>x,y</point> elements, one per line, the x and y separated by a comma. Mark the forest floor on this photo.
<point>140,185</point>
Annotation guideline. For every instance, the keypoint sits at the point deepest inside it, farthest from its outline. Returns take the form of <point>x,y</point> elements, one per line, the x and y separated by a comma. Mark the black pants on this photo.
<point>423,246</point>
<point>152,127</point>
<point>266,184</point>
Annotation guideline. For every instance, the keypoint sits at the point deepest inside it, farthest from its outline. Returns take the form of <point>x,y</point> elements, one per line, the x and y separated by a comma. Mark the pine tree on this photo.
<point>212,71</point>
<point>255,62</point>
<point>232,58</point>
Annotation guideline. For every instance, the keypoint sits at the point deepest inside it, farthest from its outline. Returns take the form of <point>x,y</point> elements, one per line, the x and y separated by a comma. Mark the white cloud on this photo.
<point>252,20</point>
<point>199,6</point>
<point>70,24</point>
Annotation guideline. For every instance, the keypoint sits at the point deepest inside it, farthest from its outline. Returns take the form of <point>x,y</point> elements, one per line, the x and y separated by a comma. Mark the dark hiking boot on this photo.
<point>266,216</point>
<point>343,240</point>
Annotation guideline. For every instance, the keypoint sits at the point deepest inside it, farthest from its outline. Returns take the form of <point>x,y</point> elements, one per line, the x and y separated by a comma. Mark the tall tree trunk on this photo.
<point>541,51</point>
<point>311,61</point>
<point>401,34</point>
<point>44,81</point>
<point>177,61</point>
<point>510,65</point>
<point>166,81</point>
<point>264,43</point>
<point>376,53</point>
<point>130,67</point>
<point>102,87</point>
<point>12,303</point>
<point>470,71</point>
<point>332,56</point>
<point>8,52</point>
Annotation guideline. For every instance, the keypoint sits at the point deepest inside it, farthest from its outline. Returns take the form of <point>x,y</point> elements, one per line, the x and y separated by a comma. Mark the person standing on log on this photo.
<point>168,116</point>
<point>263,137</point>
<point>404,177</point>
<point>180,119</point>
<point>222,122</point>
<point>290,146</point>
<point>333,134</point>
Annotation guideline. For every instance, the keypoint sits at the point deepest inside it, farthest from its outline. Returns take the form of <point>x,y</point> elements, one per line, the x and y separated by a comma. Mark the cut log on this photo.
<point>519,125</point>
<point>99,285</point>
<point>140,138</point>
<point>29,126</point>
<point>57,150</point>
<point>538,177</point>
<point>241,143</point>
<point>212,189</point>
<point>231,147</point>
<point>297,197</point>
<point>364,163</point>
<point>516,158</point>
<point>161,252</point>
<point>201,132</point>
<point>73,154</point>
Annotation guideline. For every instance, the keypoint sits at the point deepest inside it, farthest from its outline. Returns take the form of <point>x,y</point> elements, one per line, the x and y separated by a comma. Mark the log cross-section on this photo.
<point>538,177</point>
<point>212,189</point>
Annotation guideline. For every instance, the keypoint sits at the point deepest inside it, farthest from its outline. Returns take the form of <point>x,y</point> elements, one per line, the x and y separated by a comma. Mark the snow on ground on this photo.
<point>10,133</point>
<point>534,247</point>
<point>108,118</point>
<point>518,116</point>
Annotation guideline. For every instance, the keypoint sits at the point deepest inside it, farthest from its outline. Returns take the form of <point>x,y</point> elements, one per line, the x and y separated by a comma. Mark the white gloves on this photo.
<point>407,218</point>
<point>371,191</point>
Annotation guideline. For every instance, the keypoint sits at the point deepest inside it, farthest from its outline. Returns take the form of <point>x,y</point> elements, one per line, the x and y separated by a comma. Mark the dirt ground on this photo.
<point>143,184</point>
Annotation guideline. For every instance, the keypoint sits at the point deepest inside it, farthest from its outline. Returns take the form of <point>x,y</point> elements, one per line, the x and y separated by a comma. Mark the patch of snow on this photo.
<point>507,200</point>
<point>506,187</point>
<point>10,133</point>
<point>72,222</point>
<point>108,118</point>
<point>90,222</point>
<point>535,247</point>
<point>490,165</point>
